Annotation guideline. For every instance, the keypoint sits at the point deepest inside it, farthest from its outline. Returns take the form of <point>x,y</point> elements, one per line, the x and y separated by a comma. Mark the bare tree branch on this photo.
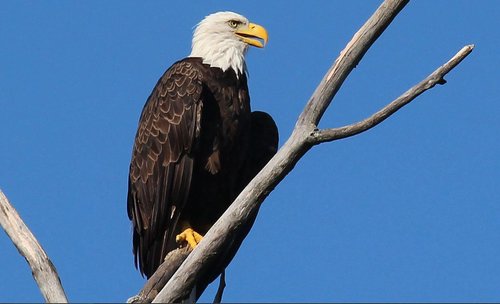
<point>348,60</point>
<point>437,77</point>
<point>161,276</point>
<point>43,270</point>
<point>223,231</point>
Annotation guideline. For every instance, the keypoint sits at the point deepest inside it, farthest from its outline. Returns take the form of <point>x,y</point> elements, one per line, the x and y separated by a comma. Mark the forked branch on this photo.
<point>437,77</point>
<point>304,136</point>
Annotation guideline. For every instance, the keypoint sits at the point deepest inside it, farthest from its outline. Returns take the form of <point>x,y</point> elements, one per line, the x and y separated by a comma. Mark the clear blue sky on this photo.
<point>408,211</point>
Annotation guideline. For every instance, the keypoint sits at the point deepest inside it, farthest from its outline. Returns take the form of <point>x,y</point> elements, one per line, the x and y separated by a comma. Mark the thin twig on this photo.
<point>220,290</point>
<point>43,270</point>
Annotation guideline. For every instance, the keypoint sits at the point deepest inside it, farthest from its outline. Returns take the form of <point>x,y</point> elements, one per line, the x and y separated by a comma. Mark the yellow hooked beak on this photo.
<point>254,34</point>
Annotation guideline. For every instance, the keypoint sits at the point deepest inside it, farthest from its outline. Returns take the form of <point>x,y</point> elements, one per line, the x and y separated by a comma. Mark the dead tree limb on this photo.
<point>348,60</point>
<point>43,270</point>
<point>304,136</point>
<point>437,77</point>
<point>161,276</point>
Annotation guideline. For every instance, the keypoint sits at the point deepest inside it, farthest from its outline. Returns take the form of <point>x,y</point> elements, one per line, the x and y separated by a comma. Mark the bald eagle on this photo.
<point>198,144</point>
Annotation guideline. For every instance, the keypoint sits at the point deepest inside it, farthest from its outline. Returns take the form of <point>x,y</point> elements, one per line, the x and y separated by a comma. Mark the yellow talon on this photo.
<point>190,236</point>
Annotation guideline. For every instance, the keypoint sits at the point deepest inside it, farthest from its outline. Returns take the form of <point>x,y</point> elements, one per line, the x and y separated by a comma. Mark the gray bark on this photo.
<point>43,270</point>
<point>304,136</point>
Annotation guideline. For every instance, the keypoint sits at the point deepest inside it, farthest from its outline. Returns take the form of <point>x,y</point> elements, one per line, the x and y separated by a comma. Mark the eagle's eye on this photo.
<point>233,23</point>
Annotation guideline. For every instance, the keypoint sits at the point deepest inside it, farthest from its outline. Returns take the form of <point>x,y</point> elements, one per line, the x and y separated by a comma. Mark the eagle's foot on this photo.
<point>189,236</point>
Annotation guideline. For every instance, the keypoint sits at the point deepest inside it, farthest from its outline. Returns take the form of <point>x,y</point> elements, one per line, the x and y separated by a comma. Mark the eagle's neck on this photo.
<point>221,52</point>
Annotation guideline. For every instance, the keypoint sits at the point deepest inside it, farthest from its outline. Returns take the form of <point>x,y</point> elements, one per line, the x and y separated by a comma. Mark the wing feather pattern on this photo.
<point>162,162</point>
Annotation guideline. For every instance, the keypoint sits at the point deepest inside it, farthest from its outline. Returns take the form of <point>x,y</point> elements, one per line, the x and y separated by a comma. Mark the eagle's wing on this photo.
<point>264,140</point>
<point>162,163</point>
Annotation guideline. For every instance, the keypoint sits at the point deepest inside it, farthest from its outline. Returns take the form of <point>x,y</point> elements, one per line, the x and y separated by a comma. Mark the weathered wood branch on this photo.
<point>303,137</point>
<point>43,270</point>
<point>161,276</point>
<point>437,77</point>
<point>348,60</point>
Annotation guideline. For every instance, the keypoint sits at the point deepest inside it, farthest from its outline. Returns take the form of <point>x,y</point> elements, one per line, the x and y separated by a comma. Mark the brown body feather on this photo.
<point>197,146</point>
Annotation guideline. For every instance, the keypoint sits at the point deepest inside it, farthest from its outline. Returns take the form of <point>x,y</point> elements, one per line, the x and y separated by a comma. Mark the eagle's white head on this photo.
<point>222,39</point>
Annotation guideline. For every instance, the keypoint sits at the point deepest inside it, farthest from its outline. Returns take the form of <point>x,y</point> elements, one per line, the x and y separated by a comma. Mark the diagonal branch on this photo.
<point>161,276</point>
<point>304,136</point>
<point>437,77</point>
<point>43,270</point>
<point>224,230</point>
<point>348,60</point>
